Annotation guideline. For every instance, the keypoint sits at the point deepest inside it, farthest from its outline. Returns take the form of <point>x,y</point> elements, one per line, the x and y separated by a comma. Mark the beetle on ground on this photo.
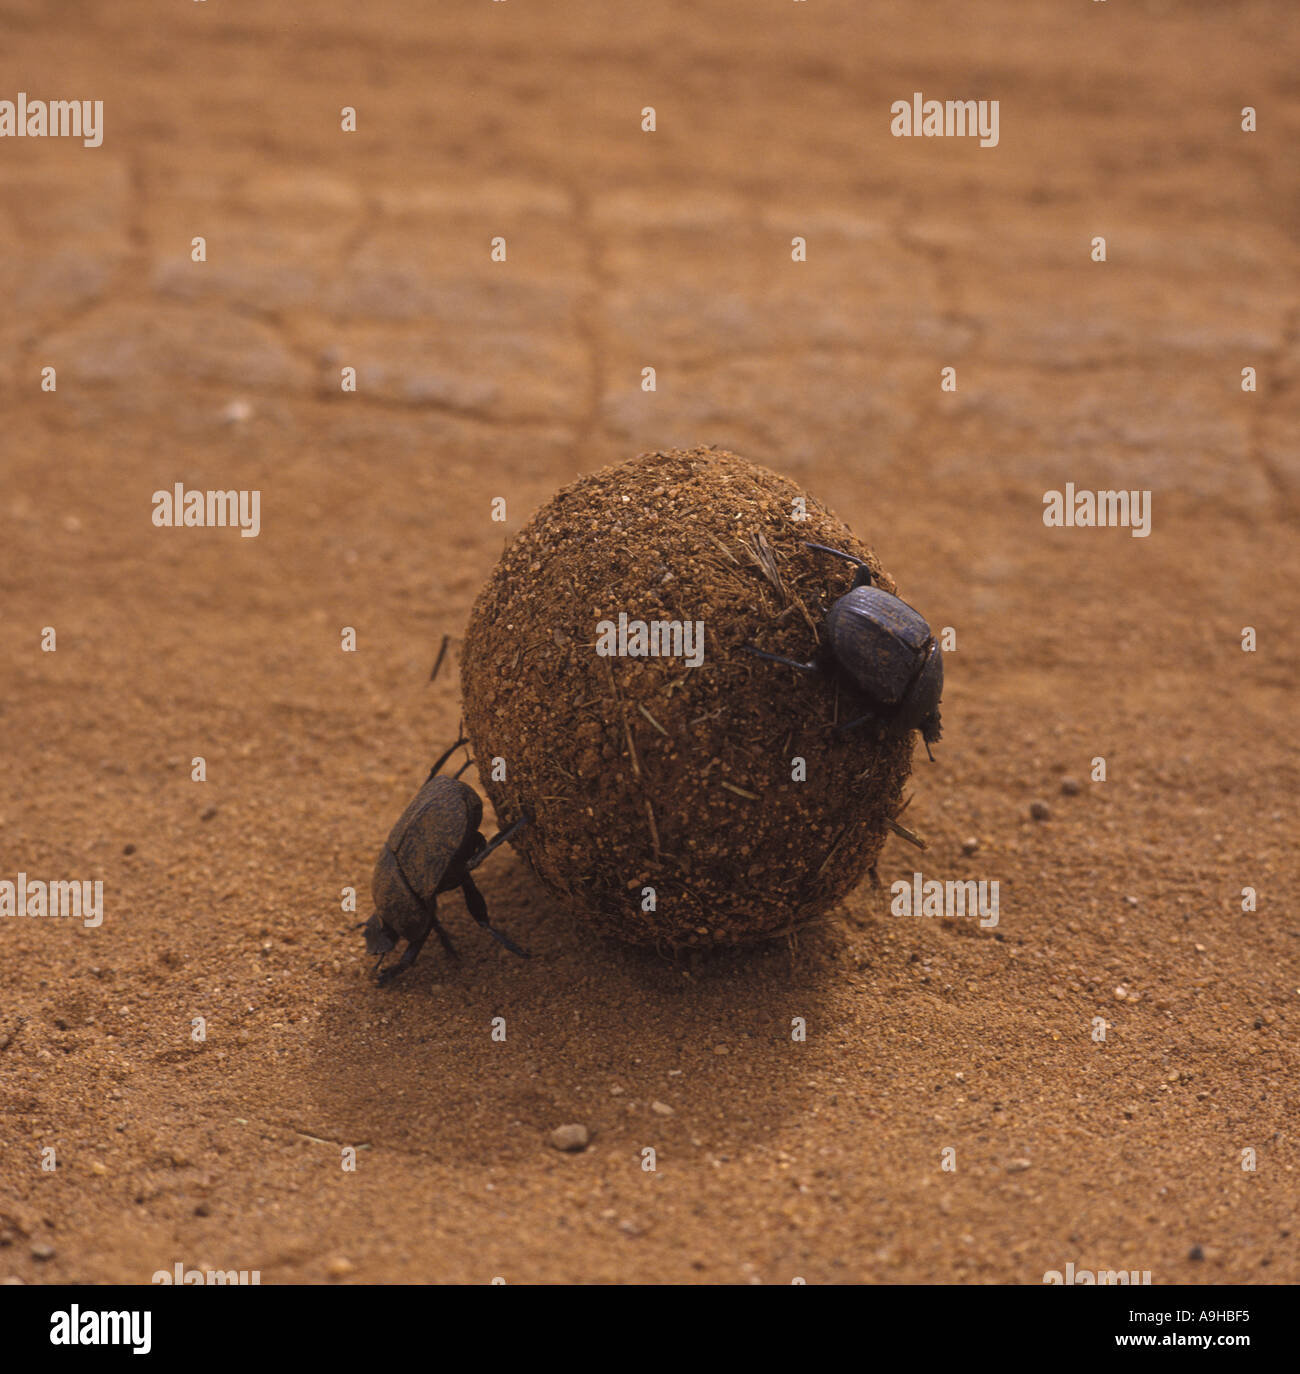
<point>433,848</point>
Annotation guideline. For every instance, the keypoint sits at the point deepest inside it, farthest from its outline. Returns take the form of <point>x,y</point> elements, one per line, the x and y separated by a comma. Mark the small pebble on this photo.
<point>970,845</point>
<point>1018,1166</point>
<point>339,1267</point>
<point>42,1250</point>
<point>1040,811</point>
<point>128,849</point>
<point>1196,1253</point>
<point>208,814</point>
<point>661,1109</point>
<point>1070,787</point>
<point>570,1138</point>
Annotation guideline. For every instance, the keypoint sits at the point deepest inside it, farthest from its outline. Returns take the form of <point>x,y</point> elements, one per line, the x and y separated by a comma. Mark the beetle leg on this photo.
<point>478,910</point>
<point>442,653</point>
<point>504,835</point>
<point>434,770</point>
<point>862,578</point>
<point>839,553</point>
<point>413,947</point>
<point>858,720</point>
<point>443,938</point>
<point>777,658</point>
<point>385,976</point>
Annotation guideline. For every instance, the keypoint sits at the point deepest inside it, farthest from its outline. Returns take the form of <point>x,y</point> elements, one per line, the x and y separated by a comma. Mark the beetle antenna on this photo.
<point>926,742</point>
<point>462,768</point>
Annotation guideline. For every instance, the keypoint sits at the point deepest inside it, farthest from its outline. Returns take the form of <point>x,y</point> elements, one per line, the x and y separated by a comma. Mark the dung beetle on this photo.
<point>433,848</point>
<point>886,651</point>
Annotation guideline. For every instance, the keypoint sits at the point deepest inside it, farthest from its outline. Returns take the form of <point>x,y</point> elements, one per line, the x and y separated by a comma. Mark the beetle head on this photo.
<point>380,936</point>
<point>921,707</point>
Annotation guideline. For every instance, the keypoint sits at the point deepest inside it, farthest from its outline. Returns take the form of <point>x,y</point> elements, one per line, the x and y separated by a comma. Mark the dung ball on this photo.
<point>680,791</point>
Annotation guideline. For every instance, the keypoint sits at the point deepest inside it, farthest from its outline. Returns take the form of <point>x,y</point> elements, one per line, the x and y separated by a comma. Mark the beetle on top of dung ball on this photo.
<point>884,649</point>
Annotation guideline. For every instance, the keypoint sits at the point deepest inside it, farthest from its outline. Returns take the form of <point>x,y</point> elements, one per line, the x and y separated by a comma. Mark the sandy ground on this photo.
<point>627,249</point>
